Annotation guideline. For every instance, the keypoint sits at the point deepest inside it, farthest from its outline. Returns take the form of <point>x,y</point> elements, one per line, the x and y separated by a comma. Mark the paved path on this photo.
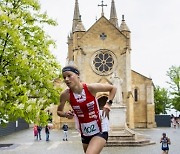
<point>24,143</point>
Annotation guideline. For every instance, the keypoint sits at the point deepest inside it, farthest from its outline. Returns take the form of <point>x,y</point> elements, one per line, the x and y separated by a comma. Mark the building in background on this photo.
<point>103,54</point>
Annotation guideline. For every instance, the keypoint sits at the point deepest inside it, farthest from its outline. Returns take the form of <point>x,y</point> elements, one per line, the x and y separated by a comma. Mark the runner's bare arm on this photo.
<point>169,141</point>
<point>98,87</point>
<point>63,98</point>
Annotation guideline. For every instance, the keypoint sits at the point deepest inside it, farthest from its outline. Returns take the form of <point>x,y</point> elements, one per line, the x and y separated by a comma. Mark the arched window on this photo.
<point>135,94</point>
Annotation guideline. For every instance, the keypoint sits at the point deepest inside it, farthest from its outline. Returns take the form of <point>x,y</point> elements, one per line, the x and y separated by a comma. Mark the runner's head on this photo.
<point>164,134</point>
<point>71,76</point>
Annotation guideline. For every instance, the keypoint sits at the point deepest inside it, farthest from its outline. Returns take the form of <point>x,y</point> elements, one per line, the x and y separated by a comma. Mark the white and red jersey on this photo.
<point>86,109</point>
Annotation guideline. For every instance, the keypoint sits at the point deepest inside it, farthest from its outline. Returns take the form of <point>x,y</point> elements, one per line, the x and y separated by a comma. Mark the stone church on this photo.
<point>103,54</point>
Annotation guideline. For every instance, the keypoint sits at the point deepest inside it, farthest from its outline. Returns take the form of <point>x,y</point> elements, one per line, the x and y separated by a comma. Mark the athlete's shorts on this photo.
<point>165,149</point>
<point>87,139</point>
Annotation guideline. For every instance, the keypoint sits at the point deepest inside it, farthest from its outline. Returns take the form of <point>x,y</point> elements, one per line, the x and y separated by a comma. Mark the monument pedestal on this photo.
<point>117,117</point>
<point>120,134</point>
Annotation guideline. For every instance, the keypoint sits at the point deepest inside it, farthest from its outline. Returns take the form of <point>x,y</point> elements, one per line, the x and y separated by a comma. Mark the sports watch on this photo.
<point>109,102</point>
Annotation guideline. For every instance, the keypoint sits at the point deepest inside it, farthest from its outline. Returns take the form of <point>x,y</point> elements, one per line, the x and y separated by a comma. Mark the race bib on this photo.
<point>164,145</point>
<point>89,129</point>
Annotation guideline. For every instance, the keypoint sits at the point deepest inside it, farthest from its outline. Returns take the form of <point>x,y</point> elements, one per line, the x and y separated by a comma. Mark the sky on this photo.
<point>154,26</point>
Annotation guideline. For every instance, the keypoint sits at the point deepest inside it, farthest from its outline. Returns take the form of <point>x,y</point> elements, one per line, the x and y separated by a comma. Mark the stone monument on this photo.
<point>120,134</point>
<point>118,114</point>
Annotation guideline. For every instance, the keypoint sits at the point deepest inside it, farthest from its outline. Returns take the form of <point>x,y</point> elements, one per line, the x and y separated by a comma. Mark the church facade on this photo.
<point>102,53</point>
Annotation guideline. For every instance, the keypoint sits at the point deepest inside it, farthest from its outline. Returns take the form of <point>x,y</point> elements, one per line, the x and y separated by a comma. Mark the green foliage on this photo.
<point>174,75</point>
<point>161,100</point>
<point>27,67</point>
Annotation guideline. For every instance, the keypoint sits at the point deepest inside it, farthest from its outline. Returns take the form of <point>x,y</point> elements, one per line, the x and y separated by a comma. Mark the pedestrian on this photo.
<point>177,121</point>
<point>39,128</point>
<point>174,122</point>
<point>165,141</point>
<point>47,132</point>
<point>35,131</point>
<point>171,117</point>
<point>65,130</point>
<point>82,98</point>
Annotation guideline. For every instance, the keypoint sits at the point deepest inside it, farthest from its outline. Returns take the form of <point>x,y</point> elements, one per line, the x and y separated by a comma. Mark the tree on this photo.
<point>174,75</point>
<point>27,67</point>
<point>161,100</point>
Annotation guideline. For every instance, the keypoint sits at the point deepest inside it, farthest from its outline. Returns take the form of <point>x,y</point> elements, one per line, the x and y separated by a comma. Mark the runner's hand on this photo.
<point>106,110</point>
<point>70,114</point>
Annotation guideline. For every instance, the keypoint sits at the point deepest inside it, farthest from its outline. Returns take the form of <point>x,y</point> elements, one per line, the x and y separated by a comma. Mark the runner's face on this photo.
<point>70,78</point>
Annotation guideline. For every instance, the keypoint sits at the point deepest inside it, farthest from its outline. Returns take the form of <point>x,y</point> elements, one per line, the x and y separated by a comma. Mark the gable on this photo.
<point>114,40</point>
<point>138,78</point>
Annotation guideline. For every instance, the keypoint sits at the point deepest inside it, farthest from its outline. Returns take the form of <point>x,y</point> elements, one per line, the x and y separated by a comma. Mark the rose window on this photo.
<point>103,62</point>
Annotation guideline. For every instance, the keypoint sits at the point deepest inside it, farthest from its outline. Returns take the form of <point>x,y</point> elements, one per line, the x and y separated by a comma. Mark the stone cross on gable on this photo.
<point>102,5</point>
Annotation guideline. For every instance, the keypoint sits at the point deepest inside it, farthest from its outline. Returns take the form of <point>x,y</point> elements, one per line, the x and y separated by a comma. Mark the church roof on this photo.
<point>123,26</point>
<point>79,27</point>
<point>76,15</point>
<point>142,75</point>
<point>113,16</point>
<point>99,20</point>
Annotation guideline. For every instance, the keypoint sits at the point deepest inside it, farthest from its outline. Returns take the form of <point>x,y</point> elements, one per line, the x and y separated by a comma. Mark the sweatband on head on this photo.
<point>69,68</point>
